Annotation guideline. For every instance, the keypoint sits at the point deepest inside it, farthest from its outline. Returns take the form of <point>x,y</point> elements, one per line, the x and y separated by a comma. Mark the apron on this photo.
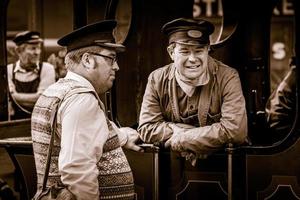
<point>24,87</point>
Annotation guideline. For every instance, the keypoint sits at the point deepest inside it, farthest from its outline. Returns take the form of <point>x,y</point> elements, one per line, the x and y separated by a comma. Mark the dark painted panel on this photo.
<point>262,170</point>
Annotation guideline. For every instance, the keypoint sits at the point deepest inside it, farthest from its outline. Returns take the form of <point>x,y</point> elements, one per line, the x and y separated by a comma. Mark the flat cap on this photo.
<point>96,34</point>
<point>30,37</point>
<point>188,31</point>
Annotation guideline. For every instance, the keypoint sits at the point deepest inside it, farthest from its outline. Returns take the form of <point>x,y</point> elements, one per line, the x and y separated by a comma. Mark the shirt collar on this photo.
<point>189,87</point>
<point>20,69</point>
<point>80,79</point>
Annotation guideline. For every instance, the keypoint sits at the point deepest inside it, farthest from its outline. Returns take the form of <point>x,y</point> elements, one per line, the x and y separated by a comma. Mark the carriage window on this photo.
<point>213,12</point>
<point>123,17</point>
<point>282,42</point>
<point>281,106</point>
<point>33,16</point>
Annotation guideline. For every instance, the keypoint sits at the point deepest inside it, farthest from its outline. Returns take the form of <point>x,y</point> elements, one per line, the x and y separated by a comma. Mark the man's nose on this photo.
<point>192,57</point>
<point>116,66</point>
<point>37,51</point>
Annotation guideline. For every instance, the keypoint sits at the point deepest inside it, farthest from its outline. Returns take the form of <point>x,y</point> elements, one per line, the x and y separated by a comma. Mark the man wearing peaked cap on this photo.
<point>190,31</point>
<point>97,34</point>
<point>30,37</point>
<point>28,77</point>
<point>194,105</point>
<point>91,162</point>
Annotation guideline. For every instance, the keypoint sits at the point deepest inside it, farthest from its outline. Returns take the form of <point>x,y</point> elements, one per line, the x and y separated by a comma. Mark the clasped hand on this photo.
<point>132,138</point>
<point>177,143</point>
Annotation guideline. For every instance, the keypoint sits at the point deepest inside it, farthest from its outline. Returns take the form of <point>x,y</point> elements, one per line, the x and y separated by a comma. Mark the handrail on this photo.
<point>18,141</point>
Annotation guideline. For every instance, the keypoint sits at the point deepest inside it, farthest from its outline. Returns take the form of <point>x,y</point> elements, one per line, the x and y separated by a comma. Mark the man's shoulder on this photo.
<point>223,69</point>
<point>47,65</point>
<point>64,86</point>
<point>10,66</point>
<point>162,71</point>
<point>48,70</point>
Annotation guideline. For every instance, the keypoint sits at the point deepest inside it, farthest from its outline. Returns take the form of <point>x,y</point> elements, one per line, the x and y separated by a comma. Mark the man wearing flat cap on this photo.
<point>28,77</point>
<point>87,156</point>
<point>195,105</point>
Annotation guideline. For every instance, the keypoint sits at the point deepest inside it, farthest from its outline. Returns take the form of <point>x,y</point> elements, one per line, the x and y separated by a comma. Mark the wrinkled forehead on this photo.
<point>186,46</point>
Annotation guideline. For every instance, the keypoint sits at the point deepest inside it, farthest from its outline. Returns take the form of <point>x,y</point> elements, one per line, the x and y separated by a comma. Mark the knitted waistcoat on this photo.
<point>115,176</point>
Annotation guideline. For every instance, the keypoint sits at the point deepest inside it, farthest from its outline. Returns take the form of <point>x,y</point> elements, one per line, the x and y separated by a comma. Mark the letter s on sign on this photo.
<point>278,50</point>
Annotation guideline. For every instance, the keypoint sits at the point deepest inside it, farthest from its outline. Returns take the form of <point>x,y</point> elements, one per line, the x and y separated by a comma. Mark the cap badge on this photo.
<point>194,33</point>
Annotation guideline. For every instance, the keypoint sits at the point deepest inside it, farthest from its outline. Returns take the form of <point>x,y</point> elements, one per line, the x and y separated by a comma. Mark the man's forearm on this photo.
<point>155,132</point>
<point>26,99</point>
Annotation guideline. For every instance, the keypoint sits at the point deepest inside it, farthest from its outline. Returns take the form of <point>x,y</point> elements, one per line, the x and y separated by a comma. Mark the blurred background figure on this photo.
<point>27,77</point>
<point>58,62</point>
<point>281,105</point>
<point>11,54</point>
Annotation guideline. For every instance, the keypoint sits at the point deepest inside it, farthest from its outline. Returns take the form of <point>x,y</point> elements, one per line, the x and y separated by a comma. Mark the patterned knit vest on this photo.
<point>115,176</point>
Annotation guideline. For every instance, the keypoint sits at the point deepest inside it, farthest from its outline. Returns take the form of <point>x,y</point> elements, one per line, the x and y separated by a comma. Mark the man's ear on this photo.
<point>18,50</point>
<point>171,52</point>
<point>87,61</point>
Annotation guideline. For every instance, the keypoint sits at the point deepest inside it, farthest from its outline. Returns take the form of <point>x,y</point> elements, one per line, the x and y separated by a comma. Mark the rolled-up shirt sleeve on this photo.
<point>152,125</point>
<point>84,132</point>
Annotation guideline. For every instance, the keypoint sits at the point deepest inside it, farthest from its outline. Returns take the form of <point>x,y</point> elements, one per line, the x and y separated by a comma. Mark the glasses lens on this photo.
<point>112,59</point>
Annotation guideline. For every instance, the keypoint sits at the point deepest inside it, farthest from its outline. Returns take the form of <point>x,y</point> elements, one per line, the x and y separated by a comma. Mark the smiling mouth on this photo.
<point>193,67</point>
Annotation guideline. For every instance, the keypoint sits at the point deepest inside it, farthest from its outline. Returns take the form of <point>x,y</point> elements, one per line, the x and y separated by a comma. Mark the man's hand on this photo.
<point>174,141</point>
<point>193,157</point>
<point>132,138</point>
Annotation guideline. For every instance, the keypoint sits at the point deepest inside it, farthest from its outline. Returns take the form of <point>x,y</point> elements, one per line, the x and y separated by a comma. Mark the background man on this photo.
<point>281,105</point>
<point>196,103</point>
<point>28,77</point>
<point>87,156</point>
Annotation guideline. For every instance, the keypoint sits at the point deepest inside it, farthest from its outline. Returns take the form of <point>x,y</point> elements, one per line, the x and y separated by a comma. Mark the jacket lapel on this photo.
<point>172,90</point>
<point>206,93</point>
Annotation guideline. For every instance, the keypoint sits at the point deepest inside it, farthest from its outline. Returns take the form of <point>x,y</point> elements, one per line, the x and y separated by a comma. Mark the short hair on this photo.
<point>172,46</point>
<point>73,58</point>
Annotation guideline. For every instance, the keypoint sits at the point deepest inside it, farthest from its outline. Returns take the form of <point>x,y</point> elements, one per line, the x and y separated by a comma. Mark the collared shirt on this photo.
<point>189,89</point>
<point>47,76</point>
<point>221,111</point>
<point>84,132</point>
<point>188,106</point>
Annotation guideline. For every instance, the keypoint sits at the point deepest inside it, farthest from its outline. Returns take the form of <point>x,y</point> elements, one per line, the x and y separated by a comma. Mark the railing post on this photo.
<point>229,170</point>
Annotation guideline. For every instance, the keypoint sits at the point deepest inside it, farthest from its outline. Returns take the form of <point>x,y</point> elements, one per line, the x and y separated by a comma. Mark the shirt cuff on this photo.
<point>122,137</point>
<point>122,134</point>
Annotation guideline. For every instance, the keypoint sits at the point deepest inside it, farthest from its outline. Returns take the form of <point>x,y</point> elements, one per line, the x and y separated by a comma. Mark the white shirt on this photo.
<point>84,132</point>
<point>47,76</point>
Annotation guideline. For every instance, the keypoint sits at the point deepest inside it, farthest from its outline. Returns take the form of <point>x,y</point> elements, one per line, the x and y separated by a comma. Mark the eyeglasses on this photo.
<point>113,59</point>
